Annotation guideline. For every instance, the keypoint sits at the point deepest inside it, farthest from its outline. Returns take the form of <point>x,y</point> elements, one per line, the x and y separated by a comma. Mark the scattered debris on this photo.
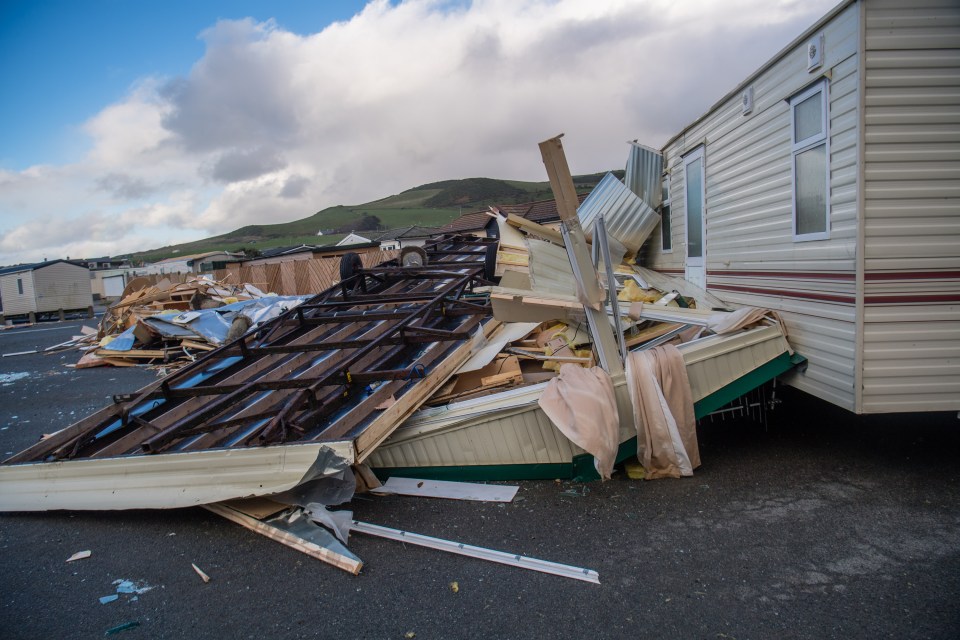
<point>122,627</point>
<point>167,325</point>
<point>129,586</point>
<point>79,555</point>
<point>302,535</point>
<point>514,352</point>
<point>110,598</point>
<point>203,576</point>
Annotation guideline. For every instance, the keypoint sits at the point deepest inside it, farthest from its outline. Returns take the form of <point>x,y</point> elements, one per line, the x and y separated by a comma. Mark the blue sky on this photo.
<point>61,61</point>
<point>126,126</point>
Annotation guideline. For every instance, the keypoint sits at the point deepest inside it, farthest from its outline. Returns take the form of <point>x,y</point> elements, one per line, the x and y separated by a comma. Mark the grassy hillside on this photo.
<point>429,205</point>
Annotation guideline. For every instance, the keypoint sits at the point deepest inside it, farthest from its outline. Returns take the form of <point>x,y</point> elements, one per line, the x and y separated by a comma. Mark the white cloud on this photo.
<point>271,126</point>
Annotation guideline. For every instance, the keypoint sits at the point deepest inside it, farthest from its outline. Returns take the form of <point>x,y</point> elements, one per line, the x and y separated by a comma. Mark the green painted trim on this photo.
<point>544,471</point>
<point>581,468</point>
<point>744,384</point>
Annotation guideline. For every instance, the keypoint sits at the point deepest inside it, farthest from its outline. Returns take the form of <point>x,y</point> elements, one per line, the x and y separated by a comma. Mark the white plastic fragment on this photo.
<point>447,489</point>
<point>80,555</point>
<point>200,573</point>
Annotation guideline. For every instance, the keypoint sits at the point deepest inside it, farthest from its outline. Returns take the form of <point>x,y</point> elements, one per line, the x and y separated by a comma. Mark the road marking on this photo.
<point>15,332</point>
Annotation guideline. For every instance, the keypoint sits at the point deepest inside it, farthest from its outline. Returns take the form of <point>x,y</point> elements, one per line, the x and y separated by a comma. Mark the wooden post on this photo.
<point>61,315</point>
<point>90,311</point>
<point>591,293</point>
<point>565,193</point>
<point>32,317</point>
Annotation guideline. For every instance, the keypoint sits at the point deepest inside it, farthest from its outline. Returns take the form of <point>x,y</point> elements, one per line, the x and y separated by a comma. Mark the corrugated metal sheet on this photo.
<point>160,482</point>
<point>751,255</point>
<point>643,174</point>
<point>628,218</point>
<point>911,348</point>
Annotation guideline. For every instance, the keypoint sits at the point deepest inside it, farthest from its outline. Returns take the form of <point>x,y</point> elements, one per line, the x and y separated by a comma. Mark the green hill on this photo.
<point>429,205</point>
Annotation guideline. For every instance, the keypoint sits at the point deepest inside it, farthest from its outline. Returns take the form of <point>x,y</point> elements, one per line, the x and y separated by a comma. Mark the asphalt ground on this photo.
<point>819,525</point>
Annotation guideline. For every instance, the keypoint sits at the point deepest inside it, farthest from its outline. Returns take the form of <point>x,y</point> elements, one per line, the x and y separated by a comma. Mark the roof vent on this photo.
<point>746,100</point>
<point>815,52</point>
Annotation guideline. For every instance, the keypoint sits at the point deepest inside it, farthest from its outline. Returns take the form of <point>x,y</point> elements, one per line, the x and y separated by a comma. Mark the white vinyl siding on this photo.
<point>752,255</point>
<point>59,285</point>
<point>14,302</point>
<point>62,286</point>
<point>911,351</point>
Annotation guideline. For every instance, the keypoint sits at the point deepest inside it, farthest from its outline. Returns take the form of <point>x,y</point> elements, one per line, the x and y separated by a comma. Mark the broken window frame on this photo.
<point>806,145</point>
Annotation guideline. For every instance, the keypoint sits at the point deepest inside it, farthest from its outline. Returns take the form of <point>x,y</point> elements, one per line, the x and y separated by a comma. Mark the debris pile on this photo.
<point>168,325</point>
<point>563,360</point>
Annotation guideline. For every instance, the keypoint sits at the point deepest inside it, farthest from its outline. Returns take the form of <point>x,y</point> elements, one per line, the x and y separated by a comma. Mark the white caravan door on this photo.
<point>695,266</point>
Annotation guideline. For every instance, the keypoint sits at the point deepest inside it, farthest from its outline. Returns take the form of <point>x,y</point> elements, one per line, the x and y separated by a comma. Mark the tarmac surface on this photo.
<point>821,525</point>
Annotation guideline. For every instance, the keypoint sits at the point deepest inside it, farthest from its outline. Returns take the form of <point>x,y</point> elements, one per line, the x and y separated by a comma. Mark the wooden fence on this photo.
<point>297,277</point>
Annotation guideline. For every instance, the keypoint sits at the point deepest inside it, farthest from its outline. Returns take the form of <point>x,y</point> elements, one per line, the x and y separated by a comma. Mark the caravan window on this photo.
<point>811,190</point>
<point>666,226</point>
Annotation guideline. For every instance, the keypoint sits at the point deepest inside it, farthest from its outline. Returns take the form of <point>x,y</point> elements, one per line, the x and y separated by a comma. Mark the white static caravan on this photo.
<point>45,287</point>
<point>827,186</point>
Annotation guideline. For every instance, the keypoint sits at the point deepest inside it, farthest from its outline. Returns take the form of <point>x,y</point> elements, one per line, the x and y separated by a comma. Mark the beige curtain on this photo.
<point>663,412</point>
<point>581,404</point>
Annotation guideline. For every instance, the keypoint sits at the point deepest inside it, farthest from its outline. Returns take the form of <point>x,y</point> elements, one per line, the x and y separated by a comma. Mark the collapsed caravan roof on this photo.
<point>340,372</point>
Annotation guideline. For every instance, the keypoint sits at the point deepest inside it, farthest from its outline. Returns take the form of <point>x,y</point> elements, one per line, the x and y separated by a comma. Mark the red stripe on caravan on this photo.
<point>912,298</point>
<point>912,275</point>
<point>813,275</point>
<point>798,295</point>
